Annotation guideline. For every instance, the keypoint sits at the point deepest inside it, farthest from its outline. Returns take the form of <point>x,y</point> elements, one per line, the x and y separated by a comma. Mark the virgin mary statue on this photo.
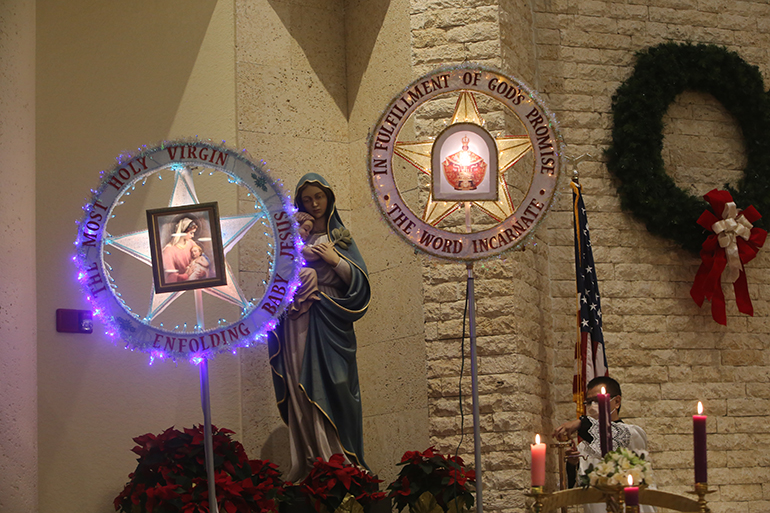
<point>313,356</point>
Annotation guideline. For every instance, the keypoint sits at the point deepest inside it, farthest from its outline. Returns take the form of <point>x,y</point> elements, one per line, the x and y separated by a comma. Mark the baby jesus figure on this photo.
<point>307,292</point>
<point>198,268</point>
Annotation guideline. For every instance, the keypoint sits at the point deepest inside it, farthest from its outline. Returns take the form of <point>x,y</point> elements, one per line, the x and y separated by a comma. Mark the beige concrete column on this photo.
<point>18,333</point>
<point>513,310</point>
<point>306,101</point>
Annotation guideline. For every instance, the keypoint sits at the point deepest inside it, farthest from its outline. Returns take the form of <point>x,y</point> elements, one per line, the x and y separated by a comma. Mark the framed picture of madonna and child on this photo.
<point>186,247</point>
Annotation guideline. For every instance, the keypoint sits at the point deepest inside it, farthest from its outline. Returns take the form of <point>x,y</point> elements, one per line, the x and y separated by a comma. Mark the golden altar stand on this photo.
<point>553,502</point>
<point>564,499</point>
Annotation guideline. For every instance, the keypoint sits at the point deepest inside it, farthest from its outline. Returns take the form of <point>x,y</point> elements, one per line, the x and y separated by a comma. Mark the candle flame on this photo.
<point>537,439</point>
<point>700,407</point>
<point>630,480</point>
<point>603,391</point>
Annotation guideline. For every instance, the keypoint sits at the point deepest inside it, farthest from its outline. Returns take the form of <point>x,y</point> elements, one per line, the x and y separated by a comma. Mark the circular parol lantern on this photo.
<point>478,191</point>
<point>158,242</point>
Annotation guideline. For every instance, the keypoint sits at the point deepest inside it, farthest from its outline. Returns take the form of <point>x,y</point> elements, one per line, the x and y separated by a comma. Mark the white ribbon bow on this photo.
<point>728,230</point>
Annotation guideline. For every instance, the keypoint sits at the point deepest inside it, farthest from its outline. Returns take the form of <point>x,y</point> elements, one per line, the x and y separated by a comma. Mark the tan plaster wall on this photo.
<point>18,373</point>
<point>312,79</point>
<point>111,77</point>
<point>392,345</point>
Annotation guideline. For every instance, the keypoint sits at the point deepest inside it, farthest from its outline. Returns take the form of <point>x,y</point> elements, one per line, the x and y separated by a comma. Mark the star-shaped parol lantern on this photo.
<point>511,148</point>
<point>159,246</point>
<point>488,157</point>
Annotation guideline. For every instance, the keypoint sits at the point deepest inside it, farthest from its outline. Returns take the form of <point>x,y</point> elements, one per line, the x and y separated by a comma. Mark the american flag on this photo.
<point>590,360</point>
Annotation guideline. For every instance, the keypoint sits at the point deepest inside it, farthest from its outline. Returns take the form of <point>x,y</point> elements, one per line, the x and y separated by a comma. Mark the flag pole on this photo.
<point>590,357</point>
<point>579,408</point>
<point>578,393</point>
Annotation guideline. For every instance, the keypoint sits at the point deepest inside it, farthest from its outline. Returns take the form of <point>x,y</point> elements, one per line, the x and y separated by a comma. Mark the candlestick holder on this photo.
<point>632,509</point>
<point>701,490</point>
<point>537,493</point>
<point>613,496</point>
<point>561,448</point>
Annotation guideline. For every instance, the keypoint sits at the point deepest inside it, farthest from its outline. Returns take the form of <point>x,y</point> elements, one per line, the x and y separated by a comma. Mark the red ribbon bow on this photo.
<point>734,242</point>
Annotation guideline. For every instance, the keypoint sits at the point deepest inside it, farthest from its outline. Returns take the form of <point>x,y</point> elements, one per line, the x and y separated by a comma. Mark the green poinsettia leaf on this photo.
<point>458,506</point>
<point>349,505</point>
<point>426,467</point>
<point>426,503</point>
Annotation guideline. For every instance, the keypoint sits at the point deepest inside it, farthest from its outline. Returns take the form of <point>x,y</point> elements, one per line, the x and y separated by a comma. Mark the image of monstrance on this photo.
<point>464,164</point>
<point>464,170</point>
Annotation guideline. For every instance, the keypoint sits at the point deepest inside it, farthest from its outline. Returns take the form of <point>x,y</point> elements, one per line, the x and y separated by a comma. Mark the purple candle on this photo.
<point>699,445</point>
<point>631,492</point>
<point>605,439</point>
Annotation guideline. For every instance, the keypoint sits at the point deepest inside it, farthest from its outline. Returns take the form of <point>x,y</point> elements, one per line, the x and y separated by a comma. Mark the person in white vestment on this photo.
<point>588,451</point>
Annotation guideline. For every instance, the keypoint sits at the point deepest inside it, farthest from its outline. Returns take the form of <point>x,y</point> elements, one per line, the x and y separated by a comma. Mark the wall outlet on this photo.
<point>74,321</point>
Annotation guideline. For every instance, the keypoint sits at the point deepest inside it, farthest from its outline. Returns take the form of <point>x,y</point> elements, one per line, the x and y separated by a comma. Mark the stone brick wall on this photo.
<point>666,351</point>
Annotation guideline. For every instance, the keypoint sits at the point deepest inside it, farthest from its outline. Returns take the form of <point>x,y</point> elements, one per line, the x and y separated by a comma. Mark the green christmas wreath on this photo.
<point>634,157</point>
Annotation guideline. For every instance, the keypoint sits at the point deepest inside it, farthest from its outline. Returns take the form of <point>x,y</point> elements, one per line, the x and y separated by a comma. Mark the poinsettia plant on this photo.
<point>429,480</point>
<point>330,482</point>
<point>171,476</point>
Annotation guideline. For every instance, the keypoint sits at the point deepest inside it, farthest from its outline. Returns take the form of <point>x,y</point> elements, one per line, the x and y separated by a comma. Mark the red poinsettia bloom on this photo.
<point>457,476</point>
<point>160,493</point>
<point>417,456</point>
<point>330,481</point>
<point>444,477</point>
<point>411,456</point>
<point>370,496</point>
<point>195,508</point>
<point>456,459</point>
<point>405,487</point>
<point>138,492</point>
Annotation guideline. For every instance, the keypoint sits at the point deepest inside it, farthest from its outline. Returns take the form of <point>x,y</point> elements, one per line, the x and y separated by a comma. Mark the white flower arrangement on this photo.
<point>615,468</point>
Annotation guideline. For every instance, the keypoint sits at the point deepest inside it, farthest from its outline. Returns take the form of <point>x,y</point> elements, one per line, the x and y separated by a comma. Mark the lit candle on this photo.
<point>631,492</point>
<point>538,462</point>
<point>605,437</point>
<point>699,445</point>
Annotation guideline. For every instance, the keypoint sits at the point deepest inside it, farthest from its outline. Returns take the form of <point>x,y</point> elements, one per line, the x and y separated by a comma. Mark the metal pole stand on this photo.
<point>208,439</point>
<point>475,388</point>
<point>474,372</point>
